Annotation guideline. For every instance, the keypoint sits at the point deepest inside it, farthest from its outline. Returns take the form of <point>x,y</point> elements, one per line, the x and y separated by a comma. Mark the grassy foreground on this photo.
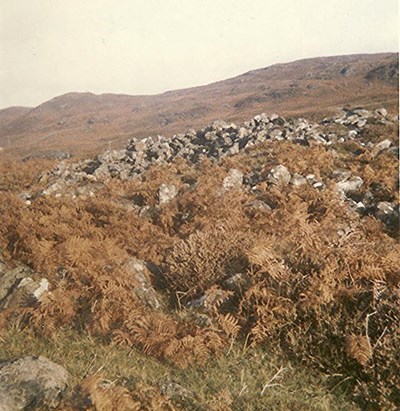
<point>241,379</point>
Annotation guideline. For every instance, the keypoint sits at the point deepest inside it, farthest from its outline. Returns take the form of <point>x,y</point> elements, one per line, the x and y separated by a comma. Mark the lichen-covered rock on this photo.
<point>31,382</point>
<point>382,146</point>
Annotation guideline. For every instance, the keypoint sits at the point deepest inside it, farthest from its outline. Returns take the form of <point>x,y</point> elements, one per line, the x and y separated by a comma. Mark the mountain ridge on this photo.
<point>86,122</point>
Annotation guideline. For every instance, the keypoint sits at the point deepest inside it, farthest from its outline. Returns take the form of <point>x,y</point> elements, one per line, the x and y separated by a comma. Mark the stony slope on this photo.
<point>273,236</point>
<point>84,122</point>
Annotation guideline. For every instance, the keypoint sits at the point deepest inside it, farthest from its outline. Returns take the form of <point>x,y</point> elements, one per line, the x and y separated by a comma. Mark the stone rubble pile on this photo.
<point>215,141</point>
<point>221,139</point>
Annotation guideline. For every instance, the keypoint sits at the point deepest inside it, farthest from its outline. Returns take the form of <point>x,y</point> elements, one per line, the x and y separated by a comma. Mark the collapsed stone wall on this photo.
<point>221,139</point>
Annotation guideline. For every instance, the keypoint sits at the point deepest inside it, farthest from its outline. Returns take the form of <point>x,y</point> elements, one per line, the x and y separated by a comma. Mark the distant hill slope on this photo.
<point>82,123</point>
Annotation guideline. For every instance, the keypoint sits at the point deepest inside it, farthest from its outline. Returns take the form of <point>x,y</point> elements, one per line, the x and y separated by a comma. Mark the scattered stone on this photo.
<point>350,185</point>
<point>259,205</point>
<point>31,382</point>
<point>144,291</point>
<point>180,395</point>
<point>111,156</point>
<point>298,180</point>
<point>10,279</point>
<point>352,134</point>
<point>318,185</point>
<point>383,145</point>
<point>388,213</point>
<point>361,207</point>
<point>233,180</point>
<point>215,141</point>
<point>219,125</point>
<point>361,123</point>
<point>26,293</point>
<point>279,175</point>
<point>166,193</point>
<point>381,112</point>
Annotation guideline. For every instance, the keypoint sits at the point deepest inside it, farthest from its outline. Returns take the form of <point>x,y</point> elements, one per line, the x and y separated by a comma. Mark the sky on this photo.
<point>52,47</point>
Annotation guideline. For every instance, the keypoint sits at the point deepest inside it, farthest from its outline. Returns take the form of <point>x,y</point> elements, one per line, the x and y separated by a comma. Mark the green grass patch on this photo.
<point>254,379</point>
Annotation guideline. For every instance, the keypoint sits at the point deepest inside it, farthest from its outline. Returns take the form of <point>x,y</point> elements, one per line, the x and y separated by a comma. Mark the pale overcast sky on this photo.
<point>51,47</point>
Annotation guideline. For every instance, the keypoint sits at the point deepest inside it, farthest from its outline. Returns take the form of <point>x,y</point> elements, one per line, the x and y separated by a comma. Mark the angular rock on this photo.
<point>276,134</point>
<point>234,149</point>
<point>388,213</point>
<point>279,175</point>
<point>26,293</point>
<point>111,156</point>
<point>144,291</point>
<point>10,280</point>
<point>352,134</point>
<point>259,205</point>
<point>243,132</point>
<point>318,185</point>
<point>383,145</point>
<point>298,180</point>
<point>350,185</point>
<point>381,112</point>
<point>31,382</point>
<point>219,125</point>
<point>361,123</point>
<point>102,172</point>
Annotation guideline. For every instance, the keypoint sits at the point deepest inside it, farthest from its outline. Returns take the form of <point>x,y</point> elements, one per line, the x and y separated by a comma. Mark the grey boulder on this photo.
<point>31,382</point>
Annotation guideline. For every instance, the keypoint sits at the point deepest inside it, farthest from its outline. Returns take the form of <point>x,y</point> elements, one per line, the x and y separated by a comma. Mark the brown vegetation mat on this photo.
<point>310,279</point>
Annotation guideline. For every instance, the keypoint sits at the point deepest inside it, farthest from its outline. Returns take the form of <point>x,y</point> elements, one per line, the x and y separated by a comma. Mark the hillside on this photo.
<point>80,123</point>
<point>237,267</point>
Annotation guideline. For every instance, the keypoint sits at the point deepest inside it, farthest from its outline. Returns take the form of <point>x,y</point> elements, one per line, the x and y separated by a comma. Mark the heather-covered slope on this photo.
<point>87,123</point>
